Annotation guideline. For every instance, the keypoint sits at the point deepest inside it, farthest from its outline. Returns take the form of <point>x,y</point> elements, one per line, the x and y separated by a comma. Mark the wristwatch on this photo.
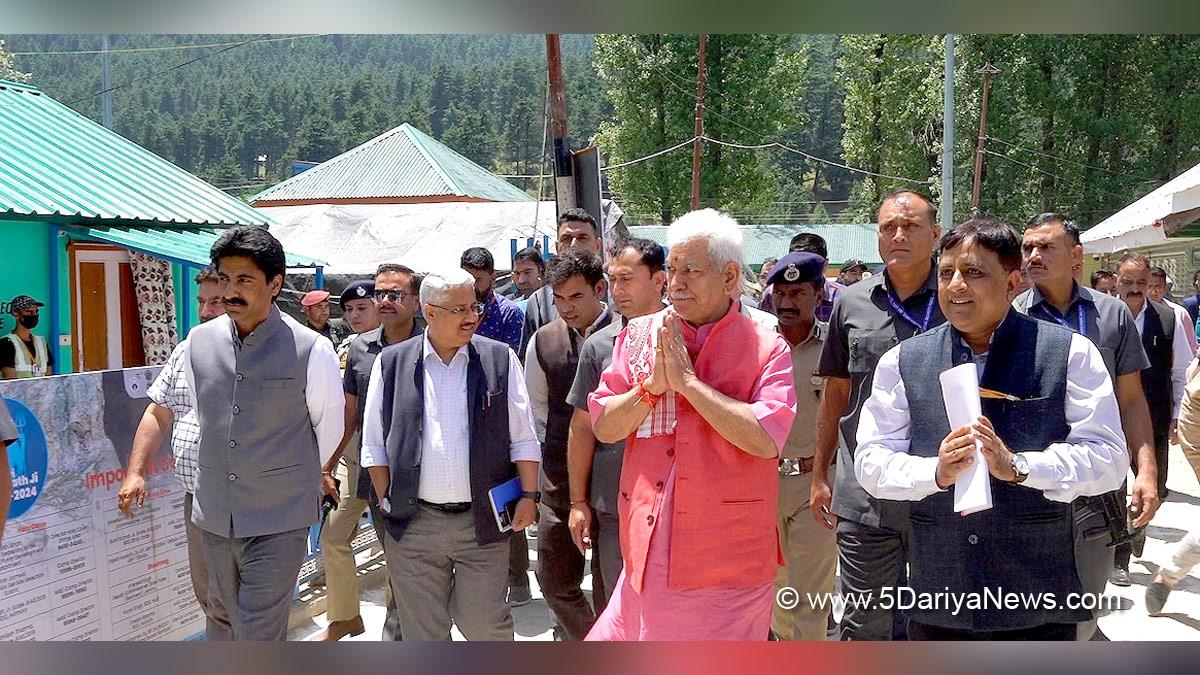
<point>1020,467</point>
<point>535,496</point>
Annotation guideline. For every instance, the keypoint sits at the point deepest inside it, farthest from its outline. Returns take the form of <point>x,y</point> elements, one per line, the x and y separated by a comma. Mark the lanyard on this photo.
<point>1062,320</point>
<point>899,309</point>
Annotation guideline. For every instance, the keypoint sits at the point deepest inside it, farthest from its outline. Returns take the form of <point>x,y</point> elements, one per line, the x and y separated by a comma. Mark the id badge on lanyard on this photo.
<point>899,309</point>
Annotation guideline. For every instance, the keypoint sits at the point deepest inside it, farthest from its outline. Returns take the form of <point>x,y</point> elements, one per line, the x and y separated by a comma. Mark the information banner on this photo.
<point>72,566</point>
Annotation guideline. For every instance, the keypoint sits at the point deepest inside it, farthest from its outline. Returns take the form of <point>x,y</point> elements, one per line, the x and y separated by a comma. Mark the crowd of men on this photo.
<point>715,457</point>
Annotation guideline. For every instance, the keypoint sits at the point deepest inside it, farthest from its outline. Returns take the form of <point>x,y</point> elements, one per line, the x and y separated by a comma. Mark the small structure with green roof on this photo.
<point>401,166</point>
<point>74,198</point>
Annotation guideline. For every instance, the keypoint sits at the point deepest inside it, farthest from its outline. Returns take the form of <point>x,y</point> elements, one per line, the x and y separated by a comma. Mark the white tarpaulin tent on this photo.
<point>1149,220</point>
<point>354,239</point>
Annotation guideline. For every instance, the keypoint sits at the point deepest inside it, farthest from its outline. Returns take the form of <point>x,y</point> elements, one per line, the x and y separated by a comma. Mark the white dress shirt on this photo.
<point>1093,459</point>
<point>1181,356</point>
<point>446,440</point>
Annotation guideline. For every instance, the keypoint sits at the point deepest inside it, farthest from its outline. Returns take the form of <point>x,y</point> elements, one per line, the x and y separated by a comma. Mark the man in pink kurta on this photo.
<point>706,418</point>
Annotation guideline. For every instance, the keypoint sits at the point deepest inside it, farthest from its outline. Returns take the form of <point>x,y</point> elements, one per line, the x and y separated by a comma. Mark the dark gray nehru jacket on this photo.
<point>260,468</point>
<point>1025,542</point>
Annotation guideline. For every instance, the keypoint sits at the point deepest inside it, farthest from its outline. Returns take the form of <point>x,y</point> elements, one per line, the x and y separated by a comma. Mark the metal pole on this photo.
<point>700,73</point>
<point>987,71</point>
<point>105,84</point>
<point>564,179</point>
<point>947,197</point>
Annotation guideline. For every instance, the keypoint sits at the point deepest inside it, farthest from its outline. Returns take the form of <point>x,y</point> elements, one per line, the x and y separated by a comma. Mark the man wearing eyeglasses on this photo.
<point>447,419</point>
<point>395,296</point>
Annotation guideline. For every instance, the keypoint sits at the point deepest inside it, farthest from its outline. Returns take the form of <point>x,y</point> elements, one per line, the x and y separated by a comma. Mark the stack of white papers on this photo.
<point>960,389</point>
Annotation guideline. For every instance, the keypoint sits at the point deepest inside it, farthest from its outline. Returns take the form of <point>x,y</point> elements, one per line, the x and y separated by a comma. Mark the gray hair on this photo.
<point>437,286</point>
<point>720,231</point>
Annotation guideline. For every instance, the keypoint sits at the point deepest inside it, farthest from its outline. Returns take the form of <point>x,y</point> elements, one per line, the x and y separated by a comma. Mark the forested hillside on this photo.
<point>1080,123</point>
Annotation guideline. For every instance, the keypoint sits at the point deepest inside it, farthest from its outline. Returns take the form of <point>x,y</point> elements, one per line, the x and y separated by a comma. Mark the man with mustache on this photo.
<point>869,319</point>
<point>1163,381</point>
<point>23,354</point>
<point>1157,291</point>
<point>1050,432</point>
<point>446,420</point>
<point>810,550</point>
<point>172,407</point>
<point>703,396</point>
<point>393,304</point>
<point>269,403</point>
<point>1051,248</point>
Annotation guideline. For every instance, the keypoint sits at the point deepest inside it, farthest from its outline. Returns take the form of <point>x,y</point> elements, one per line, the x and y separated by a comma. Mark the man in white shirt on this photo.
<point>1156,290</point>
<point>268,400</point>
<point>1166,345</point>
<point>446,420</point>
<point>1050,432</point>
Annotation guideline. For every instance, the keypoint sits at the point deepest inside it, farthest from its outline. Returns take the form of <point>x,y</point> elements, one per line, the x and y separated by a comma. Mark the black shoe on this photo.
<point>1156,597</point>
<point>1119,577</point>
<point>519,596</point>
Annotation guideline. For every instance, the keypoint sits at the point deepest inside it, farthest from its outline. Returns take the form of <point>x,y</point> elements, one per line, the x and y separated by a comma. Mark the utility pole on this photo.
<point>947,196</point>
<point>105,84</point>
<point>697,142</point>
<point>988,70</point>
<point>564,177</point>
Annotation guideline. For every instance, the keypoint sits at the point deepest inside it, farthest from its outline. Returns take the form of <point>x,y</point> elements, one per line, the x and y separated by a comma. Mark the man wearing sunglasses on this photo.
<point>395,296</point>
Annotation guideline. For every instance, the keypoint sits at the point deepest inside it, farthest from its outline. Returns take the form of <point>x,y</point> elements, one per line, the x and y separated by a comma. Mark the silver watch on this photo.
<point>1020,467</point>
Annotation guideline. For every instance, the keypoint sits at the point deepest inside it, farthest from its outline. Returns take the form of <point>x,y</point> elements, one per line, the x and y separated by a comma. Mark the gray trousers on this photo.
<point>606,558</point>
<point>870,559</point>
<point>199,571</point>
<point>391,619</point>
<point>251,580</point>
<point>441,576</point>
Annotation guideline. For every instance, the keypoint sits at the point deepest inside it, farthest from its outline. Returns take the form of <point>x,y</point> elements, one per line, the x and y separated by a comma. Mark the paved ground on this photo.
<point>1178,514</point>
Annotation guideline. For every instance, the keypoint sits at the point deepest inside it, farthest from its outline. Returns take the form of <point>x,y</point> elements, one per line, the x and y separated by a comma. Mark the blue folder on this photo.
<point>503,499</point>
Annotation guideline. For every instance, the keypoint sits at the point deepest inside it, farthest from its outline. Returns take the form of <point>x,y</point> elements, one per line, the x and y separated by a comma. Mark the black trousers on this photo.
<point>1161,444</point>
<point>1049,631</point>
<point>560,571</point>
<point>518,560</point>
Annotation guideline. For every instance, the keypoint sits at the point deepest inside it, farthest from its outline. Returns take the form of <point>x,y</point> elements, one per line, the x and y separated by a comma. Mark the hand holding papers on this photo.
<point>960,389</point>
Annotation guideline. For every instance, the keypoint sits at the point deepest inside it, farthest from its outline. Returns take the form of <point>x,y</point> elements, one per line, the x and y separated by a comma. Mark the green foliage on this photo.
<point>8,70</point>
<point>754,92</point>
<point>313,98</point>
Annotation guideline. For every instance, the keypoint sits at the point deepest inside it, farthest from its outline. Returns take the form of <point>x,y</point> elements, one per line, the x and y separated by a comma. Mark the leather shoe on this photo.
<point>336,630</point>
<point>1119,577</point>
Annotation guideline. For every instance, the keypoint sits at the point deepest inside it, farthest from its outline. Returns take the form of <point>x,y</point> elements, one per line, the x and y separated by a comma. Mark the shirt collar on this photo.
<point>817,333</point>
<point>260,331</point>
<point>929,285</point>
<point>1036,298</point>
<point>429,352</point>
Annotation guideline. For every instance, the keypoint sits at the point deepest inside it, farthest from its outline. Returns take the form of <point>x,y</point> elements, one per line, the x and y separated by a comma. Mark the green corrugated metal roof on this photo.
<point>401,164</point>
<point>55,162</point>
<point>182,245</point>
<point>846,241</point>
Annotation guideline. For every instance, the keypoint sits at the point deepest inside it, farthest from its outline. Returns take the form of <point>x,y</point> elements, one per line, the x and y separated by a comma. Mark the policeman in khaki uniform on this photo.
<point>810,550</point>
